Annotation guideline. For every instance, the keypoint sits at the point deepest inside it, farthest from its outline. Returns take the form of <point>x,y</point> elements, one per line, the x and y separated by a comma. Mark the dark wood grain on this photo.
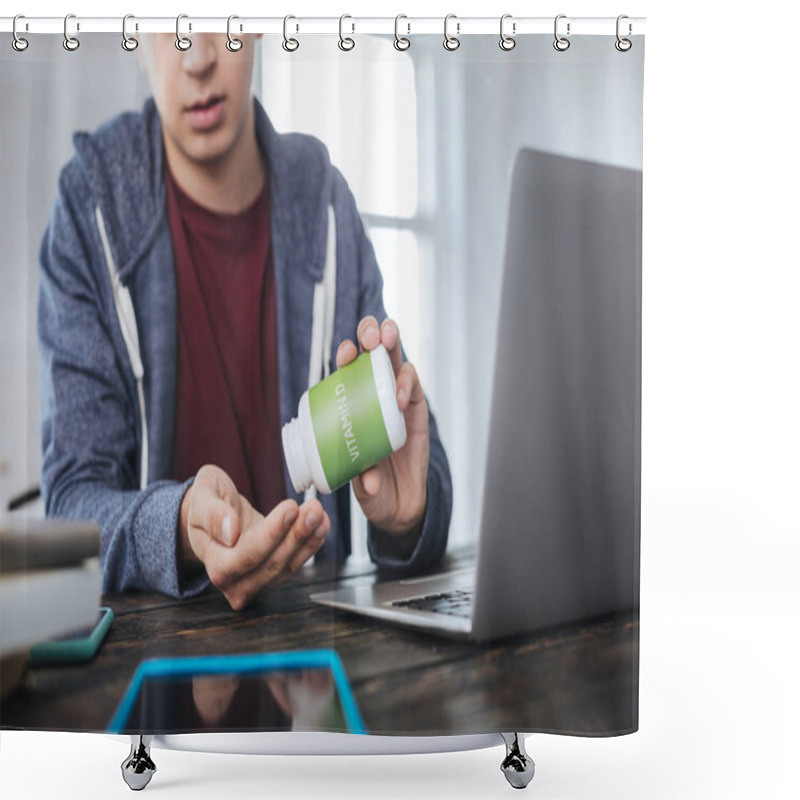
<point>580,679</point>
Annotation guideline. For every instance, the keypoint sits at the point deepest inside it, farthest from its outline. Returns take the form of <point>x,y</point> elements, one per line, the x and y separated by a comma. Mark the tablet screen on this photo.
<point>287,700</point>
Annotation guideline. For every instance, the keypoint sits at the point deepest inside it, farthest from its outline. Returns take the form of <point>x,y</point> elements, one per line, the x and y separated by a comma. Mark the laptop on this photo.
<point>558,539</point>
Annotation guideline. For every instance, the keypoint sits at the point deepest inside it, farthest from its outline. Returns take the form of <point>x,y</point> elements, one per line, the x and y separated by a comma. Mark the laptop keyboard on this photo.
<point>457,603</point>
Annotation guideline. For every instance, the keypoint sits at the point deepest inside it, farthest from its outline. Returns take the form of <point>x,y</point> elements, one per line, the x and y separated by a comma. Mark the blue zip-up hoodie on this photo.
<point>91,431</point>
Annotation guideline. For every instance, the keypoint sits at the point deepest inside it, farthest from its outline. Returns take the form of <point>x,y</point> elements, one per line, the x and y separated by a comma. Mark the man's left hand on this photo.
<point>393,493</point>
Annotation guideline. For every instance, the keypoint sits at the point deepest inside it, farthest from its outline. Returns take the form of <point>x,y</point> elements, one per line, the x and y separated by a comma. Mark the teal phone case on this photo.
<point>73,651</point>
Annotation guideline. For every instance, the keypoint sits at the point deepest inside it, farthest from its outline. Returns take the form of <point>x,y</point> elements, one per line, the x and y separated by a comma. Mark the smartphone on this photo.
<point>77,647</point>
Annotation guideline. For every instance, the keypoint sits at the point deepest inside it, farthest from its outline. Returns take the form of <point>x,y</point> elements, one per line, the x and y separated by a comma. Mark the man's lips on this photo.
<point>206,114</point>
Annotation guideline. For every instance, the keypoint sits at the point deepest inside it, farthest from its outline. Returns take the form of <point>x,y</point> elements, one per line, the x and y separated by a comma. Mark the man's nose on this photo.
<point>201,58</point>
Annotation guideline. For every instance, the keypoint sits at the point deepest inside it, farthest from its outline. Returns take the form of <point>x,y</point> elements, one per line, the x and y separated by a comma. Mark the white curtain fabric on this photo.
<point>427,140</point>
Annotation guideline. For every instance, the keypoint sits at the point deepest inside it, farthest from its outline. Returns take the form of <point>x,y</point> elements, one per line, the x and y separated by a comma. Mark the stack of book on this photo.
<point>50,580</point>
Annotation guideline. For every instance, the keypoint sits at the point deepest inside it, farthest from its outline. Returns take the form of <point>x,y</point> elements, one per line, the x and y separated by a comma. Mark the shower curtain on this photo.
<point>192,235</point>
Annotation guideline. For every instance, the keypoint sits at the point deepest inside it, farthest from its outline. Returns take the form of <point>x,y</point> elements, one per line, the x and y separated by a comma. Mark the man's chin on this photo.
<point>208,153</point>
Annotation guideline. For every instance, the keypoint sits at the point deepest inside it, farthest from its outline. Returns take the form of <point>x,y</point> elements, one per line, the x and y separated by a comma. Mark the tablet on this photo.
<point>303,690</point>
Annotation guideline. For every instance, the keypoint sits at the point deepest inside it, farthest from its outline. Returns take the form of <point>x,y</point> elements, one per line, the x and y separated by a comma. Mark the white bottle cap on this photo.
<point>299,469</point>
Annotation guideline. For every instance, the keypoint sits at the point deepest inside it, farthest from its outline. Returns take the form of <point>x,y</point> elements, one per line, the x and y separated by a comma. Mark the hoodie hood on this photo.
<point>123,162</point>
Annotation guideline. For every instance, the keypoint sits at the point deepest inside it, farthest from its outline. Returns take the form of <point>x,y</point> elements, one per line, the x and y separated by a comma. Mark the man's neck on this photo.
<point>227,186</point>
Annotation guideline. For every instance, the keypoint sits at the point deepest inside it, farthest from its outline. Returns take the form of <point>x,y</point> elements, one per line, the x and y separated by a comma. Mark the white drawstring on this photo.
<point>324,311</point>
<point>130,333</point>
<point>329,281</point>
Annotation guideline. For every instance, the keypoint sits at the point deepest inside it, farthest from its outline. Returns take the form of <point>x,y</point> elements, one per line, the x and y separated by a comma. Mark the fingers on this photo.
<point>216,517</point>
<point>345,353</point>
<point>409,389</point>
<point>390,337</point>
<point>368,333</point>
<point>312,544</point>
<point>301,541</point>
<point>218,482</point>
<point>370,489</point>
<point>217,506</point>
<point>369,336</point>
<point>243,551</point>
<point>269,552</point>
<point>256,544</point>
<point>369,481</point>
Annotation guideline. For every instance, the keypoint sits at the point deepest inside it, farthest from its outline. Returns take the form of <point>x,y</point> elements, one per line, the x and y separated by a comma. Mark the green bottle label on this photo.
<point>348,422</point>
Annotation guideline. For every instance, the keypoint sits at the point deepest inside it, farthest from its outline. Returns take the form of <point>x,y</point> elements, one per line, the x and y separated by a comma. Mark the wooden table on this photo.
<point>581,678</point>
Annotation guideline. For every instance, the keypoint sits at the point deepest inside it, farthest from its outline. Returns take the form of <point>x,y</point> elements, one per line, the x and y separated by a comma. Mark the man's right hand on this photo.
<point>241,550</point>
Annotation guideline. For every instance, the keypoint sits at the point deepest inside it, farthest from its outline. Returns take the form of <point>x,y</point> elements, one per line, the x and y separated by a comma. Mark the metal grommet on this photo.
<point>451,42</point>
<point>70,42</point>
<point>18,43</point>
<point>289,44</point>
<point>129,43</point>
<point>183,43</point>
<point>561,43</point>
<point>233,44</point>
<point>400,42</point>
<point>623,45</point>
<point>507,42</point>
<point>345,42</point>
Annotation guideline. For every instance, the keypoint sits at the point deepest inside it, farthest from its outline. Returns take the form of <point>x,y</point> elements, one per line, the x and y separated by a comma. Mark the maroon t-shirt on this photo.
<point>227,410</point>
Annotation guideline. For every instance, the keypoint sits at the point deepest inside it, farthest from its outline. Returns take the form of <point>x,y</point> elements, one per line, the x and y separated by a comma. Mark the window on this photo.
<point>363,106</point>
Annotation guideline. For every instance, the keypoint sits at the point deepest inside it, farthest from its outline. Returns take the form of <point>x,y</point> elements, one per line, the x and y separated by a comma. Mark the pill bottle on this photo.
<point>345,424</point>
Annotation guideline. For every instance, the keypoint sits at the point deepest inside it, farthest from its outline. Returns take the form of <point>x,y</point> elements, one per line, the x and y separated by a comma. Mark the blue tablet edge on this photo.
<point>241,664</point>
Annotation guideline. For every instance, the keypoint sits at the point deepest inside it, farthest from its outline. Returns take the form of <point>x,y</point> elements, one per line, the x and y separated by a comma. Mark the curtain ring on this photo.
<point>561,43</point>
<point>233,44</point>
<point>507,42</point>
<point>289,45</point>
<point>623,45</point>
<point>451,42</point>
<point>183,43</point>
<point>70,42</point>
<point>129,43</point>
<point>400,42</point>
<point>18,43</point>
<point>346,43</point>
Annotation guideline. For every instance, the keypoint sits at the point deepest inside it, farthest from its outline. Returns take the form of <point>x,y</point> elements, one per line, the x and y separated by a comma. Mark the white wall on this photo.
<point>45,95</point>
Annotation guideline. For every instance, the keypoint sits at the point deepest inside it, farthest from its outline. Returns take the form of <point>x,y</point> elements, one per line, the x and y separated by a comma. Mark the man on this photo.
<point>215,226</point>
